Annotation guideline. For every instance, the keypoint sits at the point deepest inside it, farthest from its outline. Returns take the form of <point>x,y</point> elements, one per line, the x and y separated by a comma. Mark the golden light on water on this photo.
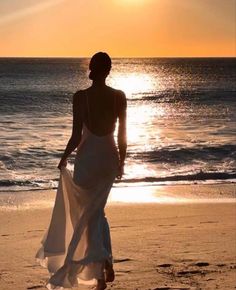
<point>140,123</point>
<point>142,117</point>
<point>141,170</point>
<point>133,83</point>
<point>139,117</point>
<point>137,114</point>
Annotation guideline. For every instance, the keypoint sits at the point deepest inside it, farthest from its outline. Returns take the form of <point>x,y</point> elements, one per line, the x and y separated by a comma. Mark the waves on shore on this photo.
<point>220,177</point>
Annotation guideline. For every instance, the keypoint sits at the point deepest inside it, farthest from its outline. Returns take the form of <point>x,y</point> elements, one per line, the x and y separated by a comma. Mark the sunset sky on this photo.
<point>142,28</point>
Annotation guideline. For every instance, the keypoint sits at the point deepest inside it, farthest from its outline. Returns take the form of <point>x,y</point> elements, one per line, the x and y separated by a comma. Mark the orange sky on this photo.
<point>120,27</point>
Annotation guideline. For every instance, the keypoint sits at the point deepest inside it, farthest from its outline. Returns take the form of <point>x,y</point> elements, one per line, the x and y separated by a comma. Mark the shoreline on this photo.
<point>124,184</point>
<point>161,194</point>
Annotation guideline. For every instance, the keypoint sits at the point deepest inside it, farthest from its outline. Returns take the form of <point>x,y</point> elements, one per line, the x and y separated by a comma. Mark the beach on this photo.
<point>172,216</point>
<point>188,244</point>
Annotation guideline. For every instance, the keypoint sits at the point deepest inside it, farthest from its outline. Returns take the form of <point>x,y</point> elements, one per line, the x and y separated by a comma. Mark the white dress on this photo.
<point>77,242</point>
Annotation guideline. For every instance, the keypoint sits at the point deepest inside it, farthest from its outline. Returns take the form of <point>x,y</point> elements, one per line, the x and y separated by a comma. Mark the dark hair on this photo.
<point>100,65</point>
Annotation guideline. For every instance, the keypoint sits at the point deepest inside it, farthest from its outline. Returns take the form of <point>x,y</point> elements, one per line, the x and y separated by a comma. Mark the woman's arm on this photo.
<point>122,136</point>
<point>76,131</point>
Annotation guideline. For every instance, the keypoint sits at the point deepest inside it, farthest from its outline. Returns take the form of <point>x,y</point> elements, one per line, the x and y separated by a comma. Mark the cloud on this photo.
<point>21,13</point>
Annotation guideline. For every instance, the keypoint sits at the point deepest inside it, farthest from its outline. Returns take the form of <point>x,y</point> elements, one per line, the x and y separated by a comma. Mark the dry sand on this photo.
<point>155,246</point>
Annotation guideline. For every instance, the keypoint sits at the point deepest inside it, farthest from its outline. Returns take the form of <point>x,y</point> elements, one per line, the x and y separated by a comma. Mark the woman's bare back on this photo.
<point>99,109</point>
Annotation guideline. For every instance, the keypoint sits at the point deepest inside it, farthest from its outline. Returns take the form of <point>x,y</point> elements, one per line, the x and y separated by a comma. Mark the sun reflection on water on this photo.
<point>140,120</point>
<point>133,83</point>
<point>142,117</point>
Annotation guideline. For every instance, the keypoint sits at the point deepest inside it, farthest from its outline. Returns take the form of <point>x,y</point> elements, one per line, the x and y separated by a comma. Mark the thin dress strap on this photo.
<point>88,111</point>
<point>115,107</point>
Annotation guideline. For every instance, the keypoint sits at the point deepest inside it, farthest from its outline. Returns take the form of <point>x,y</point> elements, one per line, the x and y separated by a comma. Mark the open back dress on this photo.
<point>77,242</point>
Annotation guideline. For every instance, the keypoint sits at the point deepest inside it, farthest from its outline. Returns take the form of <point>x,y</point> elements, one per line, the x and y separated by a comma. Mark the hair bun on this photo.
<point>100,65</point>
<point>92,75</point>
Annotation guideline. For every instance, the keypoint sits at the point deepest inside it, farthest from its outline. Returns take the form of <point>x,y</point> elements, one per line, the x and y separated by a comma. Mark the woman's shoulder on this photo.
<point>118,93</point>
<point>79,93</point>
<point>78,96</point>
<point>120,98</point>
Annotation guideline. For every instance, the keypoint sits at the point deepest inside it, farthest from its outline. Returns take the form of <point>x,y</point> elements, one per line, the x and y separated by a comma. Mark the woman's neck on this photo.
<point>99,83</point>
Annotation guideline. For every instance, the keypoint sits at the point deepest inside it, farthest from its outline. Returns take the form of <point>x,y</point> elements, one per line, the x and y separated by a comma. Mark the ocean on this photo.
<point>181,119</point>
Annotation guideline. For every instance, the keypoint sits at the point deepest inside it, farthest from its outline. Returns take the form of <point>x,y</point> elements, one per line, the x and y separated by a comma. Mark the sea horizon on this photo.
<point>119,57</point>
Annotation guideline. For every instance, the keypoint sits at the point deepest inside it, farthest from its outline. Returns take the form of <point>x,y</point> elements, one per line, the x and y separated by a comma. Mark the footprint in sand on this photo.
<point>171,225</point>
<point>172,288</point>
<point>115,227</point>
<point>122,260</point>
<point>166,265</point>
<point>209,222</point>
<point>220,265</point>
<point>189,272</point>
<point>233,266</point>
<point>201,264</point>
<point>35,287</point>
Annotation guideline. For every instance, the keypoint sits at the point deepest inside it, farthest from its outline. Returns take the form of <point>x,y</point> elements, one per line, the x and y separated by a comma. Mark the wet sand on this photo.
<point>155,246</point>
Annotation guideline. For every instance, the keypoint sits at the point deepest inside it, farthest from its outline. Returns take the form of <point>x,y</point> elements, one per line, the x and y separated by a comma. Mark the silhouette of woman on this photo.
<point>76,247</point>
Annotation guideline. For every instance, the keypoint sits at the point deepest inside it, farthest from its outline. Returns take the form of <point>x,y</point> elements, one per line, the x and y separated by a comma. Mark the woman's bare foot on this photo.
<point>109,273</point>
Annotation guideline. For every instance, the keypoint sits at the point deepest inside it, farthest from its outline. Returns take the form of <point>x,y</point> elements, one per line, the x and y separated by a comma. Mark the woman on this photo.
<point>76,247</point>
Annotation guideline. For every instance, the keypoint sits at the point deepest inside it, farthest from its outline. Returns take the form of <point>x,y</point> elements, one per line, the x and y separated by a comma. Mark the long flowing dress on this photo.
<point>77,241</point>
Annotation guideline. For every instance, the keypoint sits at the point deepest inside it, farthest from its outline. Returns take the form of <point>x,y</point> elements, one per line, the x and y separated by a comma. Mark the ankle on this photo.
<point>108,265</point>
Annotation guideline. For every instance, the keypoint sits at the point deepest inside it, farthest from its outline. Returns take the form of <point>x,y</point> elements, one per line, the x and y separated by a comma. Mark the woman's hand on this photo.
<point>63,162</point>
<point>120,171</point>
